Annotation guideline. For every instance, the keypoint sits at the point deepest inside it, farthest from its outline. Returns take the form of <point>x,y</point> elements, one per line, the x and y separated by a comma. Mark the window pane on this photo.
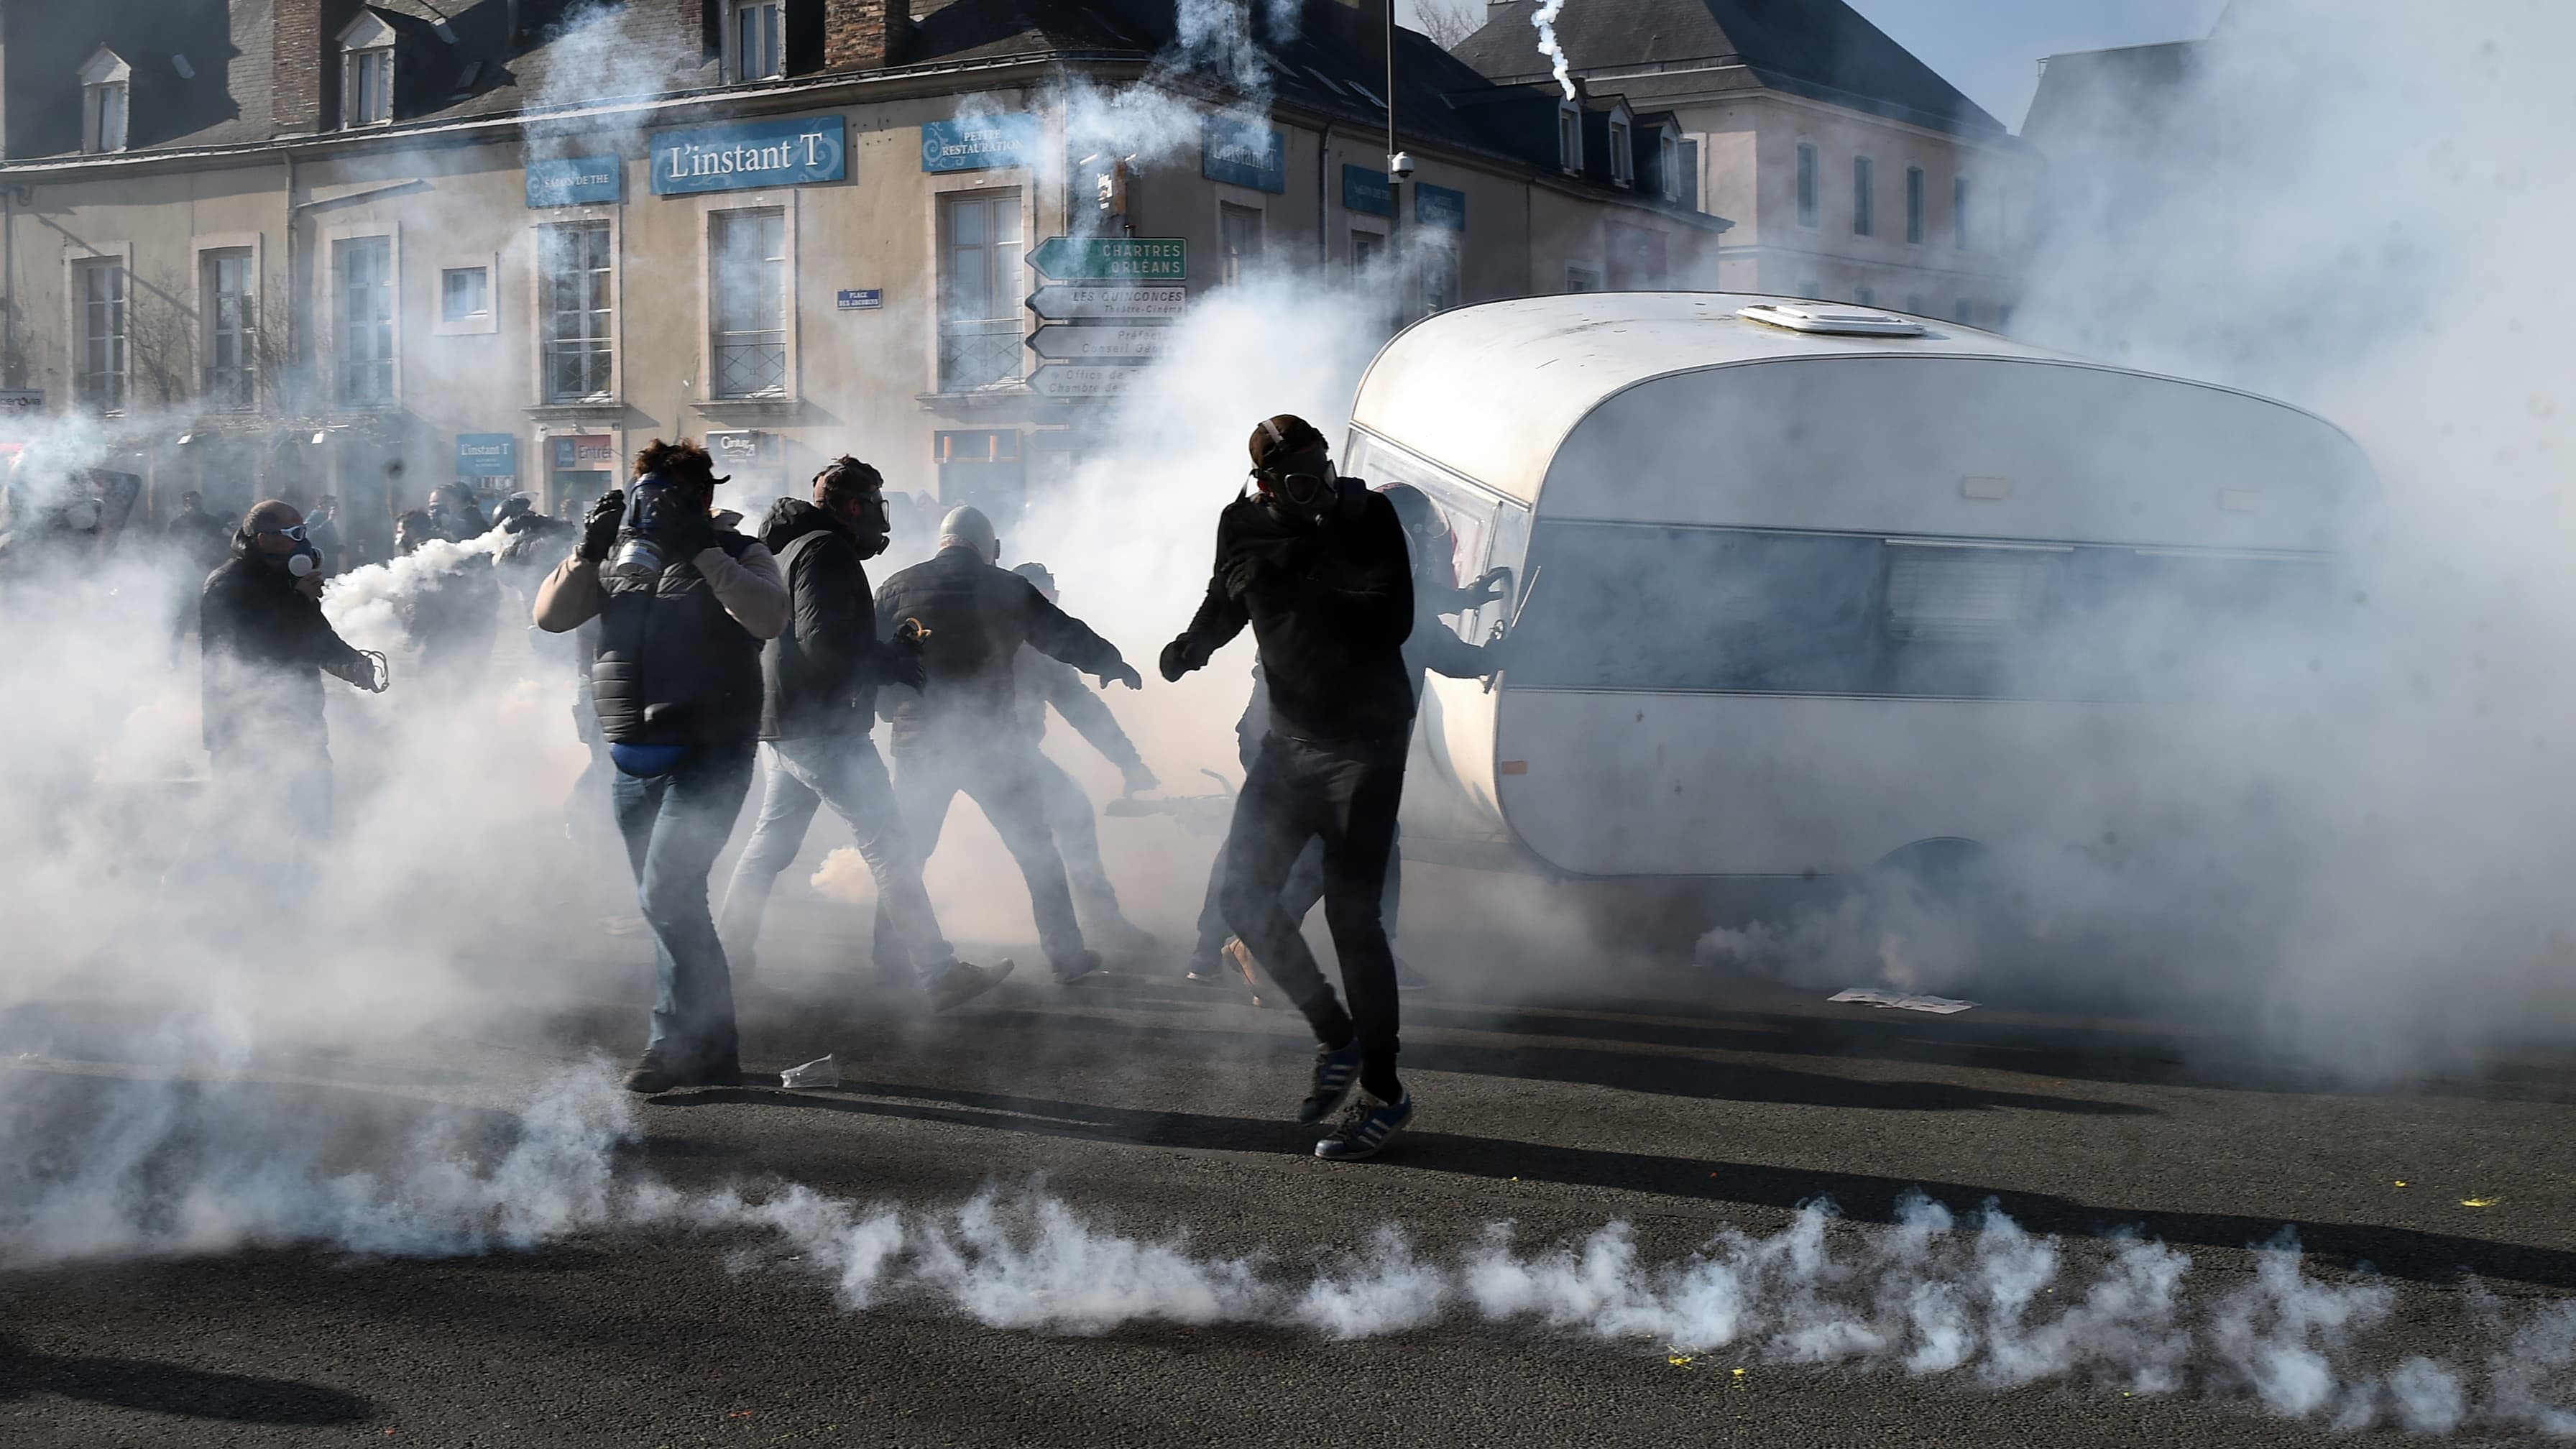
<point>1806,185</point>
<point>980,287</point>
<point>751,301</point>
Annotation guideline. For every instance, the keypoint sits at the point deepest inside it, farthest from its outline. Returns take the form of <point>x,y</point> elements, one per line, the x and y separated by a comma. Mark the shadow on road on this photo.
<point>2396,1252</point>
<point>167,1388</point>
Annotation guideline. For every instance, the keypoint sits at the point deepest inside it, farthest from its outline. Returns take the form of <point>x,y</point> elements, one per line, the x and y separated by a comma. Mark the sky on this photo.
<point>1991,48</point>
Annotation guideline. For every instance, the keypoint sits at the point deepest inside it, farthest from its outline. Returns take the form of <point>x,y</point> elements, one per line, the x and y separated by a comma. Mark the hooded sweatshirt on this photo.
<point>819,676</point>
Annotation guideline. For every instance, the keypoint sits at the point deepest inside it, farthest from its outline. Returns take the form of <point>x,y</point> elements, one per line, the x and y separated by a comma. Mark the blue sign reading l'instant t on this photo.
<point>979,144</point>
<point>1243,154</point>
<point>575,181</point>
<point>794,152</point>
<point>487,455</point>
<point>1367,192</point>
<point>1439,206</point>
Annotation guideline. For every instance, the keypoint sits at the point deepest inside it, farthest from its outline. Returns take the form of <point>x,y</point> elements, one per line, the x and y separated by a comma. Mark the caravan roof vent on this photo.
<point>1831,318</point>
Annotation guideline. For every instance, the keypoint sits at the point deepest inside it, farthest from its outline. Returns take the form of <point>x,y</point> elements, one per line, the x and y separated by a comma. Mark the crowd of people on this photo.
<point>711,656</point>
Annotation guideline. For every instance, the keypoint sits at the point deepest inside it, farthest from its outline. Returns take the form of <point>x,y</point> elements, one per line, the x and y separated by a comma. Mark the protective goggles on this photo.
<point>293,531</point>
<point>1302,489</point>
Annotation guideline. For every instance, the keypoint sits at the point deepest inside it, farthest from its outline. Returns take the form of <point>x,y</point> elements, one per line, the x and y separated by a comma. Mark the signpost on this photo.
<point>1074,302</point>
<point>1105,309</point>
<point>1109,259</point>
<point>1066,379</point>
<point>1101,344</point>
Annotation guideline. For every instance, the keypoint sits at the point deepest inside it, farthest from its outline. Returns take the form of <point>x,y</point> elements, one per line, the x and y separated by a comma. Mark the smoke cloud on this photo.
<point>1978,1301</point>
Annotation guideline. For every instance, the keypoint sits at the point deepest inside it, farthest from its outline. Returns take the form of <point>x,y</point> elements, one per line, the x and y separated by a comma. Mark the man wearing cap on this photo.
<point>819,681</point>
<point>682,613</point>
<point>959,730</point>
<point>1043,683</point>
<point>1317,565</point>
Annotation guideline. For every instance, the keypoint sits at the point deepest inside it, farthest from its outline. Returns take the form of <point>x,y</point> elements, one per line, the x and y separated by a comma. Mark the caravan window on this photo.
<point>1487,530</point>
<point>1648,607</point>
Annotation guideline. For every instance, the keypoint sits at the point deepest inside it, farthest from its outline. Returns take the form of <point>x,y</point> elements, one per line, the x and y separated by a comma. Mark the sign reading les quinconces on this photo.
<point>794,152</point>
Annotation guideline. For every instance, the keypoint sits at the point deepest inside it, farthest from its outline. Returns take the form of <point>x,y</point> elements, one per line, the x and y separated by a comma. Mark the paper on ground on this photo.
<point>1872,996</point>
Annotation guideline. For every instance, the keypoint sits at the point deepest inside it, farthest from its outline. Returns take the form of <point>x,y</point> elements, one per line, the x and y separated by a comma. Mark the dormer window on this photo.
<point>367,72</point>
<point>757,35</point>
<point>1569,138</point>
<point>106,83</point>
<point>1623,150</point>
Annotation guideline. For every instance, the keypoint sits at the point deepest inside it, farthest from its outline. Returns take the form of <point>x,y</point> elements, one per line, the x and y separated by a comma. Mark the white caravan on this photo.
<point>1804,586</point>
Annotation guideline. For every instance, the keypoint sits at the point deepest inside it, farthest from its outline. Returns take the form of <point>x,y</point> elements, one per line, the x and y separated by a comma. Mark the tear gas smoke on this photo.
<point>365,604</point>
<point>1545,19</point>
<point>1981,1301</point>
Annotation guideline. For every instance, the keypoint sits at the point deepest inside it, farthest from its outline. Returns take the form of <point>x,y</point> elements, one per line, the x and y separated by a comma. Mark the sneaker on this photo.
<point>1408,979</point>
<point>1239,956</point>
<point>1335,1070</point>
<point>652,1075</point>
<point>962,983</point>
<point>1079,968</point>
<point>1365,1127</point>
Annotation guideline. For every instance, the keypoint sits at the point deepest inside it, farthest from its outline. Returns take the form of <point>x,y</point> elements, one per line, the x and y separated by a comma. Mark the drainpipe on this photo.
<point>1323,197</point>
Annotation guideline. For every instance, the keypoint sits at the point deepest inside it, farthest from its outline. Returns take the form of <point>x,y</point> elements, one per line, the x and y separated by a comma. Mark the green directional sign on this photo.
<point>1108,259</point>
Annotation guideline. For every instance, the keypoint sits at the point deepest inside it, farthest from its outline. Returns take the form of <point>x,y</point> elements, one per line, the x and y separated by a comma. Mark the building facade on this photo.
<point>1853,171</point>
<point>322,248</point>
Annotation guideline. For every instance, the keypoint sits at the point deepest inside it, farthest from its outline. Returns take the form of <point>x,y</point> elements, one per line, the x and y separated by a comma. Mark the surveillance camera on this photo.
<point>1400,166</point>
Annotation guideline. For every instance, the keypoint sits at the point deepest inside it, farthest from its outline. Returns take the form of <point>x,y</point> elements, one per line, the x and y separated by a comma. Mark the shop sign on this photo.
<point>792,152</point>
<point>487,455</point>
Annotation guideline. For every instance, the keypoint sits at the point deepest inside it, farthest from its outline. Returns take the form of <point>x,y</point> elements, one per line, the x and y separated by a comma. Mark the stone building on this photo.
<point>314,246</point>
<point>1852,170</point>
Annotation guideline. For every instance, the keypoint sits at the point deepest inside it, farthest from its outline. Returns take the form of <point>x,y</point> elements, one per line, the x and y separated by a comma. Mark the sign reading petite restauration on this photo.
<point>792,152</point>
<point>979,144</point>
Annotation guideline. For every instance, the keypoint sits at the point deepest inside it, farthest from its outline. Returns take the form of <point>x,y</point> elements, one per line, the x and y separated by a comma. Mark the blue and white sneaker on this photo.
<point>1365,1127</point>
<point>1334,1073</point>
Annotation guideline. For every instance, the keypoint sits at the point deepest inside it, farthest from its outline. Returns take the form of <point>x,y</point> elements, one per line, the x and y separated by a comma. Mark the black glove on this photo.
<point>1492,584</point>
<point>1179,659</point>
<point>899,662</point>
<point>1124,673</point>
<point>599,526</point>
<point>1241,574</point>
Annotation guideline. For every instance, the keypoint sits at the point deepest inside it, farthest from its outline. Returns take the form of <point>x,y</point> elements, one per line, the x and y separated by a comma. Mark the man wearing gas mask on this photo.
<point>684,604</point>
<point>958,729</point>
<point>818,702</point>
<point>1317,565</point>
<point>266,647</point>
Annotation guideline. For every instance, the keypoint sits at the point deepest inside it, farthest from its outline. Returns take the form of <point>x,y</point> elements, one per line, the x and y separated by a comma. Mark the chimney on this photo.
<point>865,34</point>
<point>308,69</point>
<point>297,91</point>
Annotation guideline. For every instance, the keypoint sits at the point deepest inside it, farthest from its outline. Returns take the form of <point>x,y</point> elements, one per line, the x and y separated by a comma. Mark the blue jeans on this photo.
<point>845,772</point>
<point>674,826</point>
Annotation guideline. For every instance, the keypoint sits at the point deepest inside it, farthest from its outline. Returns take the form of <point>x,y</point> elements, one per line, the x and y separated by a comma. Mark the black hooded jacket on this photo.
<point>820,676</point>
<point>266,647</point>
<point>1331,608</point>
<point>978,617</point>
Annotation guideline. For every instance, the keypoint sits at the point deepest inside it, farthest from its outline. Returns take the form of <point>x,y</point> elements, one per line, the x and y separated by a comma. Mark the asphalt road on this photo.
<point>1680,1102</point>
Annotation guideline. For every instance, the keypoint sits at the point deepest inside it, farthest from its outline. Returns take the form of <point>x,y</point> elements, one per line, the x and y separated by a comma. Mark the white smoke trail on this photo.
<point>1545,19</point>
<point>365,604</point>
<point>1991,1305</point>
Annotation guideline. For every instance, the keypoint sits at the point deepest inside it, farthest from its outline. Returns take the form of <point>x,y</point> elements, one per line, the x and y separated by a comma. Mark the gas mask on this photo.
<point>874,527</point>
<point>1306,492</point>
<point>83,515</point>
<point>299,564</point>
<point>651,506</point>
